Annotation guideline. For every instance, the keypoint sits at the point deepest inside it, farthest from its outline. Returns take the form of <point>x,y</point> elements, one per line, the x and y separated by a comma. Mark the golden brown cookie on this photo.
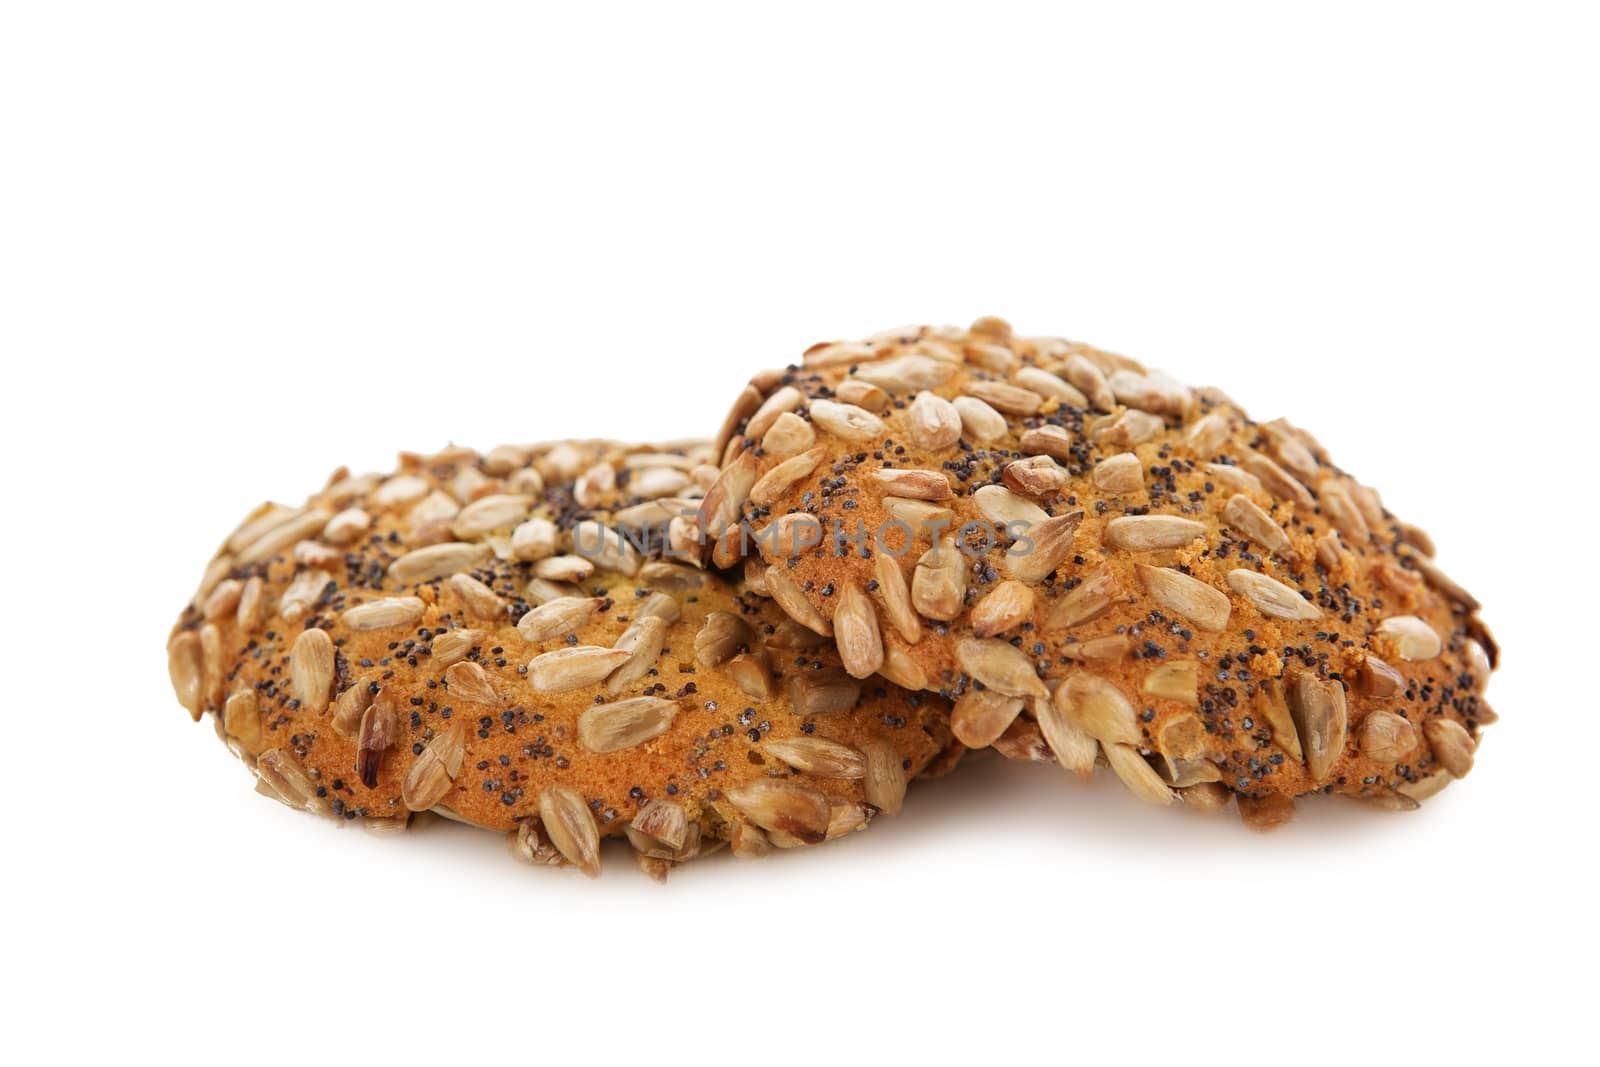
<point>1094,561</point>
<point>505,639</point>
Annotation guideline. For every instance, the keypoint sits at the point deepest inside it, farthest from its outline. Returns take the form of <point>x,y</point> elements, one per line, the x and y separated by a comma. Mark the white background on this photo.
<point>243,244</point>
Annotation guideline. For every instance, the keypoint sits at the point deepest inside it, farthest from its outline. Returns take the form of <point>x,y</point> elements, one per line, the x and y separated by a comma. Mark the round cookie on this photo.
<point>507,640</point>
<point>1096,562</point>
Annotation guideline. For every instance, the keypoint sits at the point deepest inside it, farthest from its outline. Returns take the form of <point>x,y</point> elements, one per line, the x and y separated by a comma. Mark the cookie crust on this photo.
<point>508,640</point>
<point>1105,565</point>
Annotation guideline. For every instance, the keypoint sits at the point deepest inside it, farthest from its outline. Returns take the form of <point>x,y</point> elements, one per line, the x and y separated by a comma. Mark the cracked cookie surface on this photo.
<point>1097,563</point>
<point>508,640</point>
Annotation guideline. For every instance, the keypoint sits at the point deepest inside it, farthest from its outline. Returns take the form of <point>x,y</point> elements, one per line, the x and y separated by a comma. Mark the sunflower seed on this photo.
<point>1049,544</point>
<point>1439,579</point>
<point>862,395</point>
<point>1140,778</point>
<point>251,605</point>
<point>1147,533</point>
<point>789,435</point>
<point>1244,516</point>
<point>1207,434</point>
<point>311,669</point>
<point>241,718</point>
<point>534,540</point>
<point>896,597</point>
<point>991,357</point>
<point>1050,387</point>
<point>782,401</point>
<point>1052,441</point>
<point>1452,745</point>
<point>1010,399</point>
<point>1267,812</point>
<point>1090,381</point>
<point>1098,708</point>
<point>1024,742</point>
<point>302,594</point>
<point>381,614</point>
<point>980,716</point>
<point>848,818</point>
<point>901,669</point>
<point>1102,649</point>
<point>1318,710</point>
<point>1424,788</point>
<point>224,599</point>
<point>1338,506</point>
<point>913,484</point>
<point>657,483</point>
<point>376,736</point>
<point>349,708</point>
<point>1000,666</point>
<point>643,640</point>
<point>847,421</point>
<point>1089,600</point>
<point>1277,481</point>
<point>489,513</point>
<point>1004,508</point>
<point>296,528</point>
<point>1386,737</point>
<point>1377,680</point>
<point>780,479</point>
<point>400,490</point>
<point>287,780</point>
<point>673,577</point>
<point>262,520</point>
<point>1290,450</point>
<point>663,824</point>
<point>751,674</point>
<point>1009,604</point>
<point>979,421</point>
<point>1035,476</point>
<point>606,548</point>
<point>816,755</point>
<point>1207,798</point>
<point>1120,473</point>
<point>573,667</point>
<point>720,510</point>
<point>563,569</point>
<point>784,807</point>
<point>786,591</point>
<point>933,422</point>
<point>595,485</point>
<point>557,618</point>
<point>1174,681</point>
<point>431,776</point>
<point>1234,479</point>
<point>885,783</point>
<point>721,637</point>
<point>938,585</point>
<point>530,845</point>
<point>1271,597</point>
<point>788,536</point>
<point>184,668</point>
<point>856,633</point>
<point>1190,598</point>
<point>1131,427</point>
<point>432,518</point>
<point>481,601</point>
<point>745,841</point>
<point>744,407</point>
<point>921,516</point>
<point>829,691</point>
<point>571,828</point>
<point>906,374</point>
<point>438,561</point>
<point>660,606</point>
<point>1413,638</point>
<point>624,724</point>
<point>790,636</point>
<point>211,667</point>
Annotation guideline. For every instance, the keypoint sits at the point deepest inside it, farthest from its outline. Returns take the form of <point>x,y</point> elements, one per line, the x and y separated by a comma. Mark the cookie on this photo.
<point>508,640</point>
<point>1095,562</point>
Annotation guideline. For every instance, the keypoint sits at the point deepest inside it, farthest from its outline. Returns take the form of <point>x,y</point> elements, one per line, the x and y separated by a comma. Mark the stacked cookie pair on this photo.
<point>895,551</point>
